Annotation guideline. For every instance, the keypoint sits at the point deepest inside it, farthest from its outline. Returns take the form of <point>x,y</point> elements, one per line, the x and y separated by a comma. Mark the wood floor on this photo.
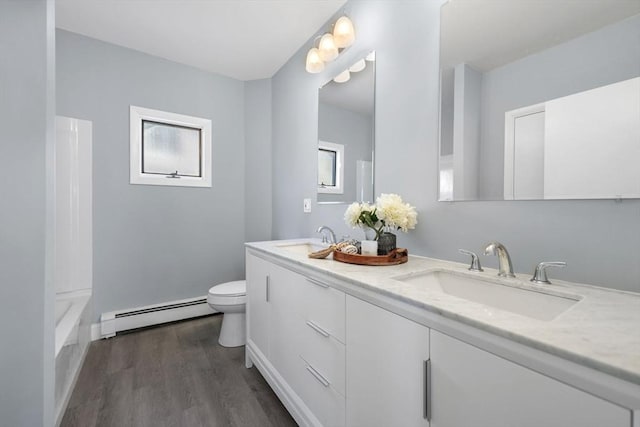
<point>173,375</point>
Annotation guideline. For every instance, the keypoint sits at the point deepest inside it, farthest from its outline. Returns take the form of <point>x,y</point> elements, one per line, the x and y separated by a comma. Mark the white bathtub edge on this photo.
<point>72,316</point>
<point>63,406</point>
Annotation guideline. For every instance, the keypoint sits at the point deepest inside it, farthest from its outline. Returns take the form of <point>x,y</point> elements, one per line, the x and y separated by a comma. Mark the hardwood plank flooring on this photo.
<point>173,375</point>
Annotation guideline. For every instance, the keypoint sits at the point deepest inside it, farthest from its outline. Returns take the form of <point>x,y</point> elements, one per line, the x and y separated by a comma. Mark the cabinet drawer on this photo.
<point>325,353</point>
<point>319,395</point>
<point>323,305</point>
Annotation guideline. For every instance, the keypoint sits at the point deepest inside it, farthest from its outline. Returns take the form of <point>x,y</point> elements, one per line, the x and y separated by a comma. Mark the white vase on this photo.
<point>369,233</point>
<point>369,247</point>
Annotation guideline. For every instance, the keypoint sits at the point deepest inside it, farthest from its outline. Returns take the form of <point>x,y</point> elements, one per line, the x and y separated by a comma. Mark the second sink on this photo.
<point>531,303</point>
<point>302,248</point>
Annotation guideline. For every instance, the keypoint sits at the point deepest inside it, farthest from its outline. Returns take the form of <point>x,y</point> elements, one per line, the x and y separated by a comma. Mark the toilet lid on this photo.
<point>230,289</point>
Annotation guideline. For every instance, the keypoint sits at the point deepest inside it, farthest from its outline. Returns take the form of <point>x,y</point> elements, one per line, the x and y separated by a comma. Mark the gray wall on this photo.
<point>355,132</point>
<point>606,56</point>
<point>466,132</point>
<point>258,160</point>
<point>446,110</point>
<point>600,240</point>
<point>153,243</point>
<point>26,287</point>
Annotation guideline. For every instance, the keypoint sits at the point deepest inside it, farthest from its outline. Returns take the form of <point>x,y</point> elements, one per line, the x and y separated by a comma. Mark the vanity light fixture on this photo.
<point>343,32</point>
<point>358,66</point>
<point>330,44</point>
<point>342,77</point>
<point>314,63</point>
<point>327,47</point>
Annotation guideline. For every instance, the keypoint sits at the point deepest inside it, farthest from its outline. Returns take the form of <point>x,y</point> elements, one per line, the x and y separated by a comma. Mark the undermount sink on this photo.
<point>302,248</point>
<point>531,303</point>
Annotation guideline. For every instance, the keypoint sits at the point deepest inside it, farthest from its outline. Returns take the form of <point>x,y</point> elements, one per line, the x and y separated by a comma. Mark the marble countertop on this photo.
<point>601,331</point>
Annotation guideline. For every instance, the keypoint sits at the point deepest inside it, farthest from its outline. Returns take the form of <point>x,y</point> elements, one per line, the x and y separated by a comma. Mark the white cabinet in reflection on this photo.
<point>524,153</point>
<point>581,146</point>
<point>592,143</point>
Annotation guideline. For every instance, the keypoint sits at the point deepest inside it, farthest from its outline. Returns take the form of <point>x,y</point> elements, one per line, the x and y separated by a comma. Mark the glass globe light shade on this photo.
<point>314,63</point>
<point>327,48</point>
<point>343,33</point>
<point>358,66</point>
<point>342,77</point>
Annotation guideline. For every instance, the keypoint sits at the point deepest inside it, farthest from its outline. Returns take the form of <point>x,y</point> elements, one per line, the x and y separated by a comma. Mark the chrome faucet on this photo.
<point>475,261</point>
<point>505,268</point>
<point>540,275</point>
<point>332,235</point>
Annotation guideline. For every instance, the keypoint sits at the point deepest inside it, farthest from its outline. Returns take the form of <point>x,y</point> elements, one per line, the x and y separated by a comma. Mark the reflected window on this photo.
<point>327,168</point>
<point>330,168</point>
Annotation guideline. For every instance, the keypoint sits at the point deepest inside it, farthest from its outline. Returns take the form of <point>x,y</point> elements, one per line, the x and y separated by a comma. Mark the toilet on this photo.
<point>230,299</point>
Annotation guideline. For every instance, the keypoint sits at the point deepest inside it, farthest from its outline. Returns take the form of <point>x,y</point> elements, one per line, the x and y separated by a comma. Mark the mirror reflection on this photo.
<point>346,134</point>
<point>540,100</point>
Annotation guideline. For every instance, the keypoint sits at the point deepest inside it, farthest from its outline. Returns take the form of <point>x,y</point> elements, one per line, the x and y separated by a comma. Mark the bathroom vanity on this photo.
<point>411,345</point>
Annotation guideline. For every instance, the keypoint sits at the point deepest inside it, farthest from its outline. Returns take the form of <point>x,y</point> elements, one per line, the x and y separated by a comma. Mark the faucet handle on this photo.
<point>475,261</point>
<point>540,275</point>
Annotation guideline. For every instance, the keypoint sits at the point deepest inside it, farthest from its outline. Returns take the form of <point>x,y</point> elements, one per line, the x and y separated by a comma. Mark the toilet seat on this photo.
<point>230,293</point>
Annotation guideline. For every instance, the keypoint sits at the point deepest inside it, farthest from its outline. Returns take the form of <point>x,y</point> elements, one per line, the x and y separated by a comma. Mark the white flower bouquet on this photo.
<point>389,212</point>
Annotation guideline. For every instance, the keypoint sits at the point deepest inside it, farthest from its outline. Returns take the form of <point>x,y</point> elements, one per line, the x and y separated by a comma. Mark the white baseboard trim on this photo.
<point>156,314</point>
<point>296,407</point>
<point>95,332</point>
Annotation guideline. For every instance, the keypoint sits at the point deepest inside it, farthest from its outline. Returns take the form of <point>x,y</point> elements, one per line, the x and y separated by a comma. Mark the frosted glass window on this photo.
<point>171,150</point>
<point>327,168</point>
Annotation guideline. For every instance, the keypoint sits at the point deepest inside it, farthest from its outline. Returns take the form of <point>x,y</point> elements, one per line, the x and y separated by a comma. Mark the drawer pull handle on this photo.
<point>427,390</point>
<point>322,380</point>
<point>318,329</point>
<point>317,283</point>
<point>267,288</point>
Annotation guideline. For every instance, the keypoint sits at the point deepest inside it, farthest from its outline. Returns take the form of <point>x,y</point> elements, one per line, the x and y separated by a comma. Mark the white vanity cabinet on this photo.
<point>471,387</point>
<point>296,332</point>
<point>320,375</point>
<point>335,360</point>
<point>258,308</point>
<point>386,368</point>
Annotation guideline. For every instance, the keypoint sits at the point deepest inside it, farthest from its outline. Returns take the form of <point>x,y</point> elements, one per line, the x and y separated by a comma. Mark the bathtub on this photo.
<point>73,334</point>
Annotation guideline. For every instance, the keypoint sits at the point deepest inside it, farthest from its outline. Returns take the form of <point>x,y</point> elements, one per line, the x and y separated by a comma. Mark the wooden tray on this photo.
<point>395,257</point>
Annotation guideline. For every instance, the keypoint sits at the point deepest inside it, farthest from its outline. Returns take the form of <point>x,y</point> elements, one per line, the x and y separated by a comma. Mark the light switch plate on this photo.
<point>306,205</point>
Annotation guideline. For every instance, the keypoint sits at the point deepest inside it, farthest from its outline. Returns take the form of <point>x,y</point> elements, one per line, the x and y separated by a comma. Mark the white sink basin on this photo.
<point>532,303</point>
<point>302,248</point>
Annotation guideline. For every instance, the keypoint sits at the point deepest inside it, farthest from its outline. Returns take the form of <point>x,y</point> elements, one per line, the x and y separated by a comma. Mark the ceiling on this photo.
<point>243,39</point>
<point>487,34</point>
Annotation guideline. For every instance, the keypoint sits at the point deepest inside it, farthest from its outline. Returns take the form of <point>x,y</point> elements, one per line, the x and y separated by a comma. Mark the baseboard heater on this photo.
<point>140,317</point>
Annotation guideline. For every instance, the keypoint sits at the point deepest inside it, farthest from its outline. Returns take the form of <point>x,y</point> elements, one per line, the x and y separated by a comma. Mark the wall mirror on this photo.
<point>346,134</point>
<point>539,100</point>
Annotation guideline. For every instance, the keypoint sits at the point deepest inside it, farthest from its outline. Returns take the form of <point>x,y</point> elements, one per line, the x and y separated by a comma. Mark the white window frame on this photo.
<point>339,150</point>
<point>136,117</point>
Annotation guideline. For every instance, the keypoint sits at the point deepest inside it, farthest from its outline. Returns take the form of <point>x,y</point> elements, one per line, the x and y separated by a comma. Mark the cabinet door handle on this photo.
<point>317,283</point>
<point>427,390</point>
<point>318,329</point>
<point>268,283</point>
<point>322,380</point>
